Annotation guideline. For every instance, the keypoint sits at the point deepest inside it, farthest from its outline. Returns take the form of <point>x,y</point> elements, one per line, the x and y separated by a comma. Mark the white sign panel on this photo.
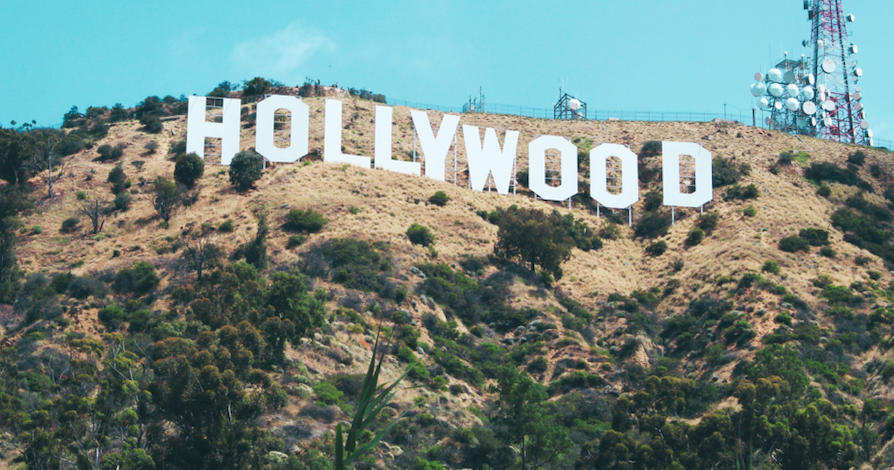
<point>198,128</point>
<point>383,146</point>
<point>537,168</point>
<point>489,159</point>
<point>629,176</point>
<point>298,137</point>
<point>332,138</point>
<point>670,161</point>
<point>435,148</point>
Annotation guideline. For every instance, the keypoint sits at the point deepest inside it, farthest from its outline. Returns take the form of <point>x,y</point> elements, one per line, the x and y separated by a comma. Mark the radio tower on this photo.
<point>818,96</point>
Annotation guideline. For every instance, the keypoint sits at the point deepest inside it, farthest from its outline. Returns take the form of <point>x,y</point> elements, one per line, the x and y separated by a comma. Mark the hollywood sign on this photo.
<point>484,159</point>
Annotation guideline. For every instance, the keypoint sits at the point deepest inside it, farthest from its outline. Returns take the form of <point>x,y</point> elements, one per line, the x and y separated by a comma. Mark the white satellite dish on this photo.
<point>792,104</point>
<point>778,105</point>
<point>819,43</point>
<point>758,89</point>
<point>809,108</point>
<point>854,49</point>
<point>864,125</point>
<point>776,90</point>
<point>811,79</point>
<point>574,104</point>
<point>827,121</point>
<point>829,106</point>
<point>789,77</point>
<point>862,114</point>
<point>858,106</point>
<point>763,103</point>
<point>792,90</point>
<point>856,96</point>
<point>858,89</point>
<point>828,66</point>
<point>821,88</point>
<point>808,93</point>
<point>871,143</point>
<point>758,77</point>
<point>775,75</point>
<point>821,97</point>
<point>858,72</point>
<point>813,121</point>
<point>851,18</point>
<point>869,133</point>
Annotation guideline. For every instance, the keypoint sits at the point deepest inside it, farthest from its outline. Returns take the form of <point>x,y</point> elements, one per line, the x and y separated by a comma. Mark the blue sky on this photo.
<point>635,55</point>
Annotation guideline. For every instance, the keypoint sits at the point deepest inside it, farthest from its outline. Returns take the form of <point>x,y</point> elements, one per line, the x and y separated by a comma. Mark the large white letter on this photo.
<point>434,148</point>
<point>298,137</point>
<point>629,176</point>
<point>332,138</point>
<point>489,159</point>
<point>704,190</point>
<point>197,128</point>
<point>537,168</point>
<point>383,146</point>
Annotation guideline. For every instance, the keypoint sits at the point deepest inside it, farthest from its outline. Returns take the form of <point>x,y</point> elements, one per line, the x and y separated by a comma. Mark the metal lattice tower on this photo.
<point>818,95</point>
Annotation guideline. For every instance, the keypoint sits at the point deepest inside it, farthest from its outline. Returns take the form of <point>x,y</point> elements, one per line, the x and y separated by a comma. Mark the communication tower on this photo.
<point>818,95</point>
<point>569,107</point>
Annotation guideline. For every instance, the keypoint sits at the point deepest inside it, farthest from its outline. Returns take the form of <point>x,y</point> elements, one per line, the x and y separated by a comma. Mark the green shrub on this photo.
<point>824,191</point>
<point>783,319</point>
<point>708,222</point>
<point>815,236</point>
<point>81,195</point>
<point>420,235</point>
<point>749,211</point>
<point>354,264</point>
<point>296,240</point>
<point>695,237</point>
<point>107,152</point>
<point>742,193</point>
<point>539,364</point>
<point>725,172</point>
<point>151,124</point>
<point>69,224</point>
<point>327,394</point>
<point>151,147</point>
<point>245,169</point>
<point>139,279</point>
<point>37,229</point>
<point>652,225</point>
<point>650,149</point>
<point>227,226</point>
<point>785,158</point>
<point>794,244</point>
<point>112,316</point>
<point>657,248</point>
<point>188,169</point>
<point>610,230</point>
<point>439,198</point>
<point>305,221</point>
<point>122,201</point>
<point>771,267</point>
<point>857,158</point>
<point>820,172</point>
<point>117,179</point>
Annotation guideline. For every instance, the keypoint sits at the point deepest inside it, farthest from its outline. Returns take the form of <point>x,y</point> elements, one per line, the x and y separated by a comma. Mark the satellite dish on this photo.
<point>854,49</point>
<point>828,66</point>
<point>776,90</point>
<point>821,88</point>
<point>858,106</point>
<point>869,133</point>
<point>775,75</point>
<point>864,125</point>
<point>792,90</point>
<point>858,89</point>
<point>809,108</point>
<point>574,104</point>
<point>862,114</point>
<point>851,18</point>
<point>822,96</point>
<point>813,121</point>
<point>763,103</point>
<point>792,104</point>
<point>829,106</point>
<point>804,43</point>
<point>858,72</point>
<point>808,93</point>
<point>827,121</point>
<point>789,77</point>
<point>758,77</point>
<point>758,89</point>
<point>778,105</point>
<point>811,79</point>
<point>819,43</point>
<point>871,143</point>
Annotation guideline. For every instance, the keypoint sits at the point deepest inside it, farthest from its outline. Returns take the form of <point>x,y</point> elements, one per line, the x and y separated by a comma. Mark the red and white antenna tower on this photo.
<point>834,64</point>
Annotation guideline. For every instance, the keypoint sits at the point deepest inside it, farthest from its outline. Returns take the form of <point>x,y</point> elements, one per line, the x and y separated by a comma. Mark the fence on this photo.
<point>597,115</point>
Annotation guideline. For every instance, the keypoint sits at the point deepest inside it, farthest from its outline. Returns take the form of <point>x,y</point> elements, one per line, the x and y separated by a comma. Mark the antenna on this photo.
<point>568,107</point>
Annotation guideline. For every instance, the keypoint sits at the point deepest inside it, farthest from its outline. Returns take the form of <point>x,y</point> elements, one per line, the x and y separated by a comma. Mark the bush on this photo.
<point>771,267</point>
<point>227,226</point>
<point>117,178</point>
<point>245,169</point>
<point>81,195</point>
<point>37,229</point>
<point>794,244</point>
<point>151,124</point>
<point>824,191</point>
<point>610,231</point>
<point>695,237</point>
<point>151,147</point>
<point>725,172</point>
<point>69,224</point>
<point>656,248</point>
<point>305,221</point>
<point>122,201</point>
<point>857,158</point>
<point>420,235</point>
<point>815,236</point>
<point>750,211</point>
<point>652,201</point>
<point>785,158</point>
<point>820,172</point>
<point>784,319</point>
<point>439,198</point>
<point>708,222</point>
<point>652,225</point>
<point>107,152</point>
<point>188,169</point>
<point>112,316</point>
<point>296,240</point>
<point>139,279</point>
<point>738,192</point>
<point>827,251</point>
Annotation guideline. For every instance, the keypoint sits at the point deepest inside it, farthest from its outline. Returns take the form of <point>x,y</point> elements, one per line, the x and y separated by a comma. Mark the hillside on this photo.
<point>666,360</point>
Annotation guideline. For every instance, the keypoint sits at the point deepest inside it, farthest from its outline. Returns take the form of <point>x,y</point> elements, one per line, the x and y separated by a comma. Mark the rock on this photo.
<point>520,329</point>
<point>284,206</point>
<point>413,322</point>
<point>304,391</point>
<point>715,378</point>
<point>296,449</point>
<point>396,450</point>
<point>277,457</point>
<point>420,351</point>
<point>319,345</point>
<point>318,337</point>
<point>786,305</point>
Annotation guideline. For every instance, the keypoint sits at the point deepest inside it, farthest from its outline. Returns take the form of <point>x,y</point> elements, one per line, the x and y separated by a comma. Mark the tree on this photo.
<point>245,169</point>
<point>200,252</point>
<point>168,197</point>
<point>420,235</point>
<point>534,237</point>
<point>95,211</point>
<point>256,250</point>
<point>14,152</point>
<point>117,178</point>
<point>255,86</point>
<point>188,169</point>
<point>305,221</point>
<point>523,422</point>
<point>46,158</point>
